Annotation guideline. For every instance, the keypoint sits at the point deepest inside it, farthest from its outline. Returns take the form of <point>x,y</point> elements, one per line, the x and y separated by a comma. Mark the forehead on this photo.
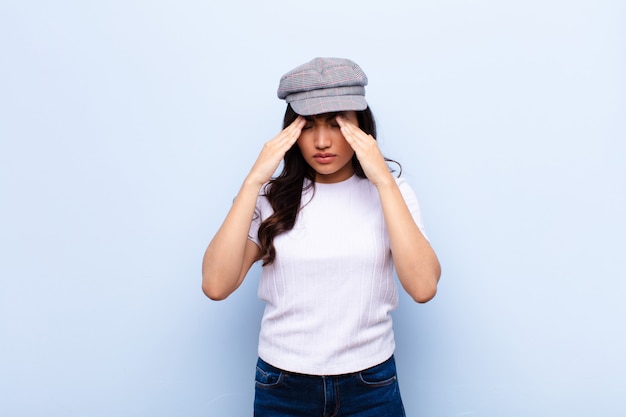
<point>325,117</point>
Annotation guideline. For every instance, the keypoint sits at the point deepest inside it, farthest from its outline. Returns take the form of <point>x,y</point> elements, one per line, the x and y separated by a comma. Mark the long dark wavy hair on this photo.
<point>285,191</point>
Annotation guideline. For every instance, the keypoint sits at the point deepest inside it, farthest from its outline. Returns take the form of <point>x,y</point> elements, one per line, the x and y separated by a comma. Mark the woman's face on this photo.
<point>325,149</point>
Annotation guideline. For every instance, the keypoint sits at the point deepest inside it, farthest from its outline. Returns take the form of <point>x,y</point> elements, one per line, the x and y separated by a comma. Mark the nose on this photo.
<point>322,138</point>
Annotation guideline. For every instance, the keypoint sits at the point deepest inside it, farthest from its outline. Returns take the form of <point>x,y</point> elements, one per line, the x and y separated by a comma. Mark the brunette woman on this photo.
<point>329,231</point>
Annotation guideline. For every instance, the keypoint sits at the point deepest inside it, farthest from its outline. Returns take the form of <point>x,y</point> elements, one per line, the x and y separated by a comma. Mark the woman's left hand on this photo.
<point>414,260</point>
<point>367,152</point>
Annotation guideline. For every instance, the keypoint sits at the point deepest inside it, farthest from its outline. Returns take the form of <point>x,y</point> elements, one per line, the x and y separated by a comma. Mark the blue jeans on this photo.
<point>372,392</point>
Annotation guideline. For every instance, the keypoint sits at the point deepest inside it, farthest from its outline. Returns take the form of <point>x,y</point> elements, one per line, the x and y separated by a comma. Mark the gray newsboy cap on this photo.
<point>324,85</point>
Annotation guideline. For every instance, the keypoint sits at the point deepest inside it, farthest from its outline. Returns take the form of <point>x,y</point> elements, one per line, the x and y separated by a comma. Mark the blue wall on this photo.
<point>127,127</point>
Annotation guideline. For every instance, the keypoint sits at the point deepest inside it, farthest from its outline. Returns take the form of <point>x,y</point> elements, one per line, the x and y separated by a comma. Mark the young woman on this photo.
<point>329,230</point>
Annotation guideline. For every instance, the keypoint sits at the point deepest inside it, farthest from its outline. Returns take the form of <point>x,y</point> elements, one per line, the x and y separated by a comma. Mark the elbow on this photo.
<point>214,295</point>
<point>215,284</point>
<point>420,277</point>
<point>422,292</point>
<point>424,295</point>
<point>427,290</point>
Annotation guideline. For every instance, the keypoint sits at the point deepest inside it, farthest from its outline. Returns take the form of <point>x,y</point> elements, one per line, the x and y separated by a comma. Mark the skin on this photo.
<point>324,147</point>
<point>327,144</point>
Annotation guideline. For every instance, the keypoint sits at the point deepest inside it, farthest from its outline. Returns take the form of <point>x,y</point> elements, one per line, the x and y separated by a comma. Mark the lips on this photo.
<point>324,158</point>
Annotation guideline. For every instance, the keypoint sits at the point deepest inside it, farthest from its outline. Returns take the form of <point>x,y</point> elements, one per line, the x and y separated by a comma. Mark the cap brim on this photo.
<point>319,105</point>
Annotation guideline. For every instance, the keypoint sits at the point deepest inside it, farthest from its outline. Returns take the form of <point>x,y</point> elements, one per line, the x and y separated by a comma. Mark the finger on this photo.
<point>295,128</point>
<point>297,123</point>
<point>347,129</point>
<point>288,136</point>
<point>353,134</point>
<point>343,122</point>
<point>288,139</point>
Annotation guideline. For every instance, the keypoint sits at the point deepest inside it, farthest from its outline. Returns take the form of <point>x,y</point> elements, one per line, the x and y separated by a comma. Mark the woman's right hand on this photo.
<point>230,254</point>
<point>274,151</point>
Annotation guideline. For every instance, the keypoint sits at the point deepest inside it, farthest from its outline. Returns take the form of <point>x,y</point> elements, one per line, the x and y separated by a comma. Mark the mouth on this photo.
<point>324,158</point>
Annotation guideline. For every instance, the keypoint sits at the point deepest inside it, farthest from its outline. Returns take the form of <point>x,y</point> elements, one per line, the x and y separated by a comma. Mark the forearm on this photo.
<point>224,257</point>
<point>229,255</point>
<point>414,259</point>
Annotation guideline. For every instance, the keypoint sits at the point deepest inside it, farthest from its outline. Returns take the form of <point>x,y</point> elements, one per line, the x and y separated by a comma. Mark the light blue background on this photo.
<point>127,127</point>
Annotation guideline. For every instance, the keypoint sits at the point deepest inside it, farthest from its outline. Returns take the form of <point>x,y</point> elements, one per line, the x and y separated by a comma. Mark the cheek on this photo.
<point>345,145</point>
<point>302,144</point>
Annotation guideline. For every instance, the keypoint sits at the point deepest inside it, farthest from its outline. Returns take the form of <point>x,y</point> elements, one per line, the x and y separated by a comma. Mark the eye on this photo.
<point>306,127</point>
